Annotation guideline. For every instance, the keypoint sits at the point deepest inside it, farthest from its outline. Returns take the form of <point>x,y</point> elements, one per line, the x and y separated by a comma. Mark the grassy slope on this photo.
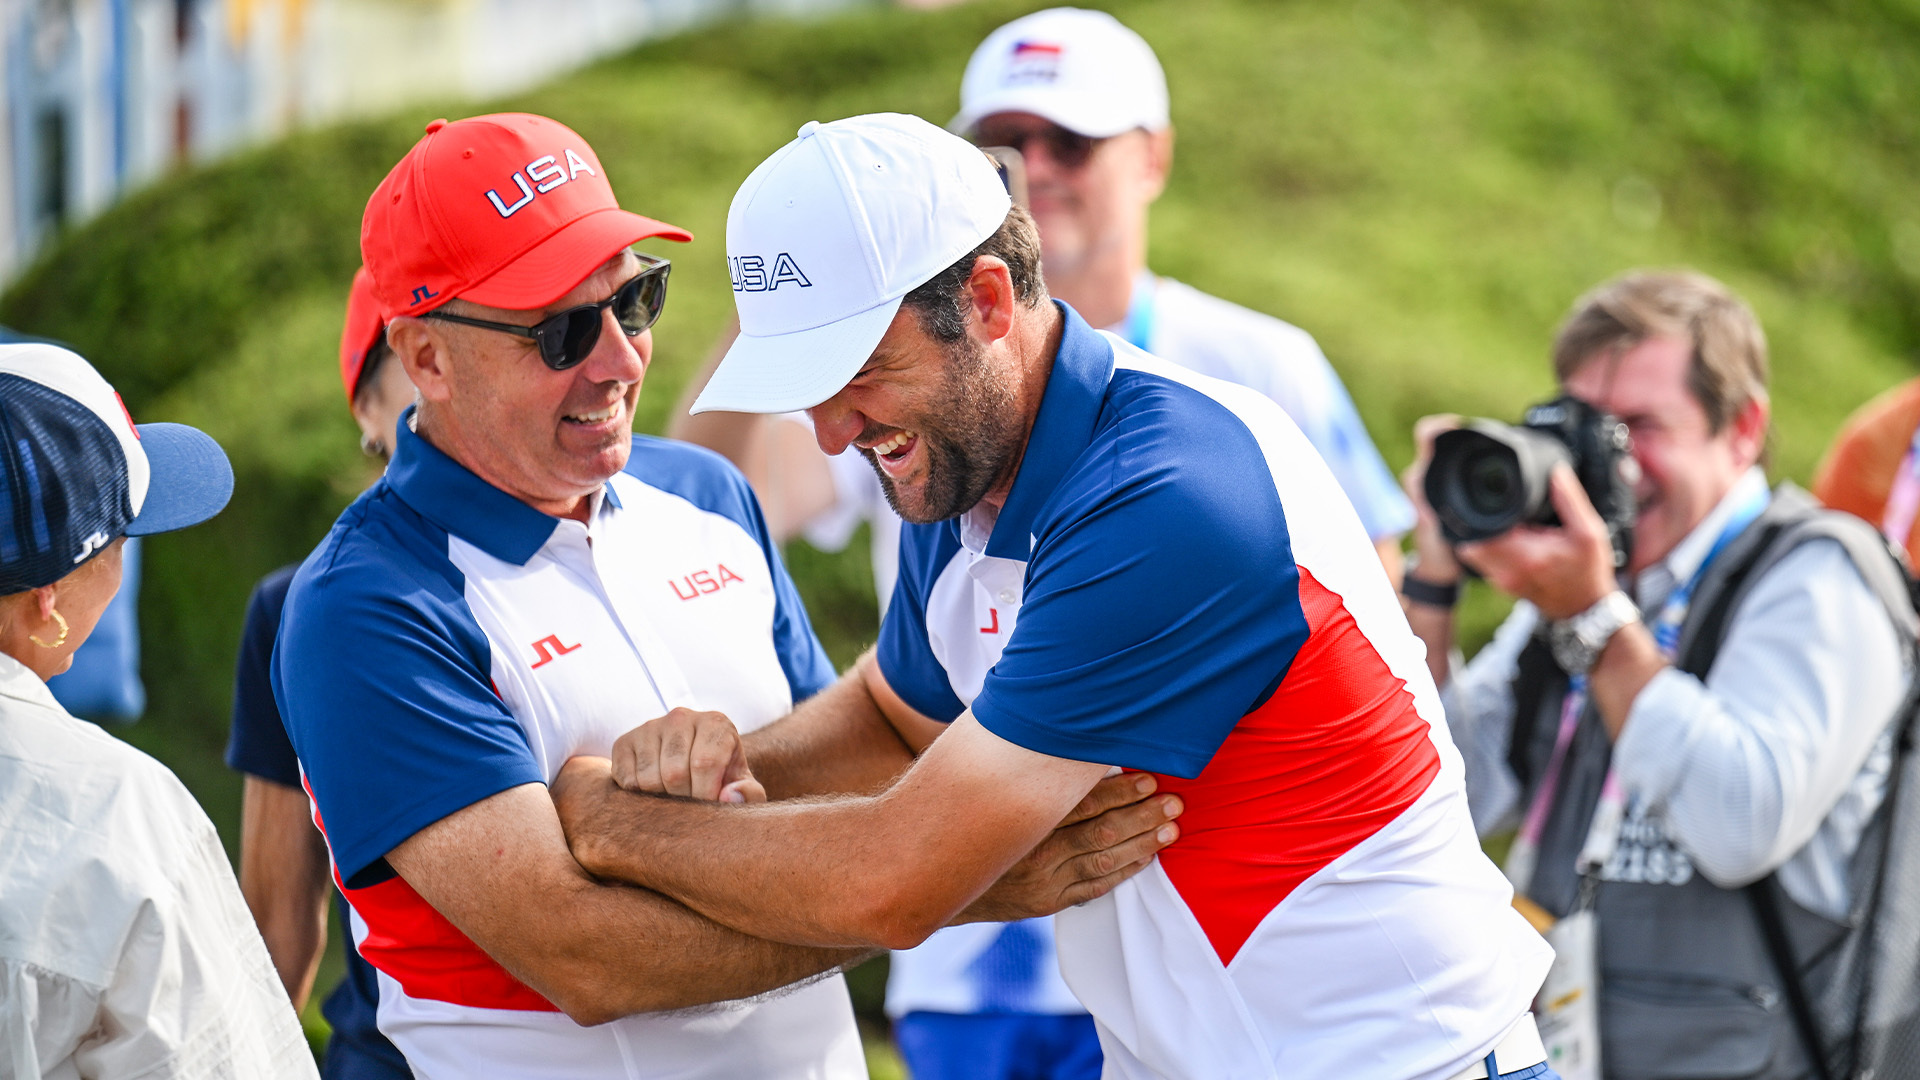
<point>1425,187</point>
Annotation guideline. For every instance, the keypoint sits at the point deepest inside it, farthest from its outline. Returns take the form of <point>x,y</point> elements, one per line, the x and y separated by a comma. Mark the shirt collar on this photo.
<point>17,680</point>
<point>452,497</point>
<point>1062,430</point>
<point>1684,560</point>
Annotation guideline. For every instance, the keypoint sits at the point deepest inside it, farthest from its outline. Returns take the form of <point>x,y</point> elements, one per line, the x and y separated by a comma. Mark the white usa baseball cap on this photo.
<point>1080,69</point>
<point>824,240</point>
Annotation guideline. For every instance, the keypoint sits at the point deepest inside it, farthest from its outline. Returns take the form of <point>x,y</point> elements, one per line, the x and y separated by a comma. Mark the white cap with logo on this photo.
<point>824,240</point>
<point>1080,69</point>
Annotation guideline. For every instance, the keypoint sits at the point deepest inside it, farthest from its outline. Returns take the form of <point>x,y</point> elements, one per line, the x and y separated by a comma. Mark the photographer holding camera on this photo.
<point>1687,713</point>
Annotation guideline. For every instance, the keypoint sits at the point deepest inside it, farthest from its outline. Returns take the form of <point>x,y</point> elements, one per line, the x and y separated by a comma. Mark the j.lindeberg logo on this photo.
<point>749,273</point>
<point>546,173</point>
<point>90,545</point>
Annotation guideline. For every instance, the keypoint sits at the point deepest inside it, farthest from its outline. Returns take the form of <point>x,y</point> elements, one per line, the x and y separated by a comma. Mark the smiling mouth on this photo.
<point>893,453</point>
<point>598,417</point>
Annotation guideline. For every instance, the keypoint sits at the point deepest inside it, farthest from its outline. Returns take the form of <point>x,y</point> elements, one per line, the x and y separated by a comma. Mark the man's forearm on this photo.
<point>499,870</point>
<point>650,954</point>
<point>283,875</point>
<point>885,869</point>
<point>702,854</point>
<point>1625,667</point>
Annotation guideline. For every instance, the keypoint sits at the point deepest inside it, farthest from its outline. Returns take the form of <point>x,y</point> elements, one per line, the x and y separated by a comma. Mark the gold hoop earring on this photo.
<point>57,642</point>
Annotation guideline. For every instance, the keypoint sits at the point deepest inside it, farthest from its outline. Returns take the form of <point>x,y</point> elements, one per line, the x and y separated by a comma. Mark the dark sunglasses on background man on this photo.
<point>565,338</point>
<point>1068,149</point>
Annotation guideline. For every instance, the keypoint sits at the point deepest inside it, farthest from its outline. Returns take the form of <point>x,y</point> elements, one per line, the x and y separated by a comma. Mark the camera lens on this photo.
<point>1490,481</point>
<point>1489,477</point>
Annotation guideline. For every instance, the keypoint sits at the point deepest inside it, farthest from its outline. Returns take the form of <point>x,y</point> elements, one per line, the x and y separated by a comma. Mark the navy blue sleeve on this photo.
<point>712,483</point>
<point>384,679</point>
<point>1162,604</point>
<point>257,743</point>
<point>904,651</point>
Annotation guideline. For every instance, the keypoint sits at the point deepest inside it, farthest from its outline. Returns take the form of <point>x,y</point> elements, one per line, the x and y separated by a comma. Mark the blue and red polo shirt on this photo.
<point>447,642</point>
<point>1177,585</point>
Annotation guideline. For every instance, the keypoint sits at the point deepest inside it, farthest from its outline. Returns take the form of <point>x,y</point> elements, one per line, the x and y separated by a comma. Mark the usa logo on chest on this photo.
<point>703,582</point>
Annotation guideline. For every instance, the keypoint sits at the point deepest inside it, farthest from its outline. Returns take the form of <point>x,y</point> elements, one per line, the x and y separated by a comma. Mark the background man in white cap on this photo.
<point>527,579</point>
<point>1085,101</point>
<point>1110,562</point>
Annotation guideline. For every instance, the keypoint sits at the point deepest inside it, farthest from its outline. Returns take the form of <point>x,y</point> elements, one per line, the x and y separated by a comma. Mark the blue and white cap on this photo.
<point>79,474</point>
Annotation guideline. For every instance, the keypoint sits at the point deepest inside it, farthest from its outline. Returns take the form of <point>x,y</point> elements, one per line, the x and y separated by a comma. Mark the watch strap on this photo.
<point>1429,593</point>
<point>1579,640</point>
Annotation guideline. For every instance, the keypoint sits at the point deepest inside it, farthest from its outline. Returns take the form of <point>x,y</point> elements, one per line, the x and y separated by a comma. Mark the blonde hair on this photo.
<point>1728,368</point>
<point>11,603</point>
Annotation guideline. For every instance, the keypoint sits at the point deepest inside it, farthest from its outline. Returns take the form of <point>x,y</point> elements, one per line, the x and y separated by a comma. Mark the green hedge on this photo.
<point>1425,187</point>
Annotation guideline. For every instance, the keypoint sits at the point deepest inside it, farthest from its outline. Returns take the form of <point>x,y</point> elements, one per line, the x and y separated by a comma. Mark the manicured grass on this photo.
<point>1425,187</point>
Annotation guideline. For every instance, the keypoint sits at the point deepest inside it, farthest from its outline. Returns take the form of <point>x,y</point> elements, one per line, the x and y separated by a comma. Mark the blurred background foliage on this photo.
<point>1425,187</point>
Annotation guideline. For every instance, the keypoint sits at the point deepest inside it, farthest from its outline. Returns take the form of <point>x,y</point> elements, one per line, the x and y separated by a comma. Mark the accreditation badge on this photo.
<point>1568,1006</point>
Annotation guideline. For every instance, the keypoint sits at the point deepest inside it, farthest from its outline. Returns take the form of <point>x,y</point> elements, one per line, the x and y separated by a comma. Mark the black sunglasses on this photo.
<point>1069,149</point>
<point>567,337</point>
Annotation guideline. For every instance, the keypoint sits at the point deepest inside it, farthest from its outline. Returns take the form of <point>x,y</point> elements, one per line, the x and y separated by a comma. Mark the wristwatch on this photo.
<point>1578,641</point>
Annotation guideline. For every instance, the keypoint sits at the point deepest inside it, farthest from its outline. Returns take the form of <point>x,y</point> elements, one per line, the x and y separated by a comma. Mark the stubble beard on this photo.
<point>969,447</point>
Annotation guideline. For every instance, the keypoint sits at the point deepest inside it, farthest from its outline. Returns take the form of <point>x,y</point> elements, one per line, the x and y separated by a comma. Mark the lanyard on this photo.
<point>1903,501</point>
<point>1138,329</point>
<point>1604,831</point>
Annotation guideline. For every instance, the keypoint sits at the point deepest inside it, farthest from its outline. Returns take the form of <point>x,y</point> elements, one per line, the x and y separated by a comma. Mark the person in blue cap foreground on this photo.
<point>125,947</point>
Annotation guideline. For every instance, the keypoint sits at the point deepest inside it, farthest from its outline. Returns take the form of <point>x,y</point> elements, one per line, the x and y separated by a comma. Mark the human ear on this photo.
<point>1749,430</point>
<point>1159,163</point>
<point>421,351</point>
<point>991,287</point>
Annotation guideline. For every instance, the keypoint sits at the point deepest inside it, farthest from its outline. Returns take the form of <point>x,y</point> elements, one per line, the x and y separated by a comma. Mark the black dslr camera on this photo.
<point>1487,477</point>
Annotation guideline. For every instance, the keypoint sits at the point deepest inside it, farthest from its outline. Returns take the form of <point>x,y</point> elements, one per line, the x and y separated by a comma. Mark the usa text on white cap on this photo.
<point>827,236</point>
<point>1080,69</point>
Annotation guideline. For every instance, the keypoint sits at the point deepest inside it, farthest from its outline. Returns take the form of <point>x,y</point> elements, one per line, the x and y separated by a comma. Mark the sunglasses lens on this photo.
<point>639,302</point>
<point>566,339</point>
<point>577,337</point>
<point>1070,148</point>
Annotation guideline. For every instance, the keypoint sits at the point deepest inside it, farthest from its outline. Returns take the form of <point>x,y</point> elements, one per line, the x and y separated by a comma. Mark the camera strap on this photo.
<point>1673,613</point>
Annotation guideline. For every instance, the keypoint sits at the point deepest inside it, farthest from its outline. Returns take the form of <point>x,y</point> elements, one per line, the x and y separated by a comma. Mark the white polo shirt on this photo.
<point>447,642</point>
<point>1176,585</point>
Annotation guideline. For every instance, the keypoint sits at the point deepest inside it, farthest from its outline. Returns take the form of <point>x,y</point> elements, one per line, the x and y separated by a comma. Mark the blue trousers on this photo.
<point>1010,1046</point>
<point>998,1046</point>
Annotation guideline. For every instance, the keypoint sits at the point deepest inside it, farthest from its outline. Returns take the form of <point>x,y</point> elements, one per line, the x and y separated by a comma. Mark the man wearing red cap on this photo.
<point>527,582</point>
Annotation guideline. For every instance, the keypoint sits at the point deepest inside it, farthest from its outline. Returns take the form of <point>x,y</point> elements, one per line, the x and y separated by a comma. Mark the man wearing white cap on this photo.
<point>1085,101</point>
<point>1110,562</point>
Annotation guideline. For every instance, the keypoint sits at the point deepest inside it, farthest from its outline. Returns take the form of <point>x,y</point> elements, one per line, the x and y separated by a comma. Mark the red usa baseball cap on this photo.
<point>363,331</point>
<point>507,210</point>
